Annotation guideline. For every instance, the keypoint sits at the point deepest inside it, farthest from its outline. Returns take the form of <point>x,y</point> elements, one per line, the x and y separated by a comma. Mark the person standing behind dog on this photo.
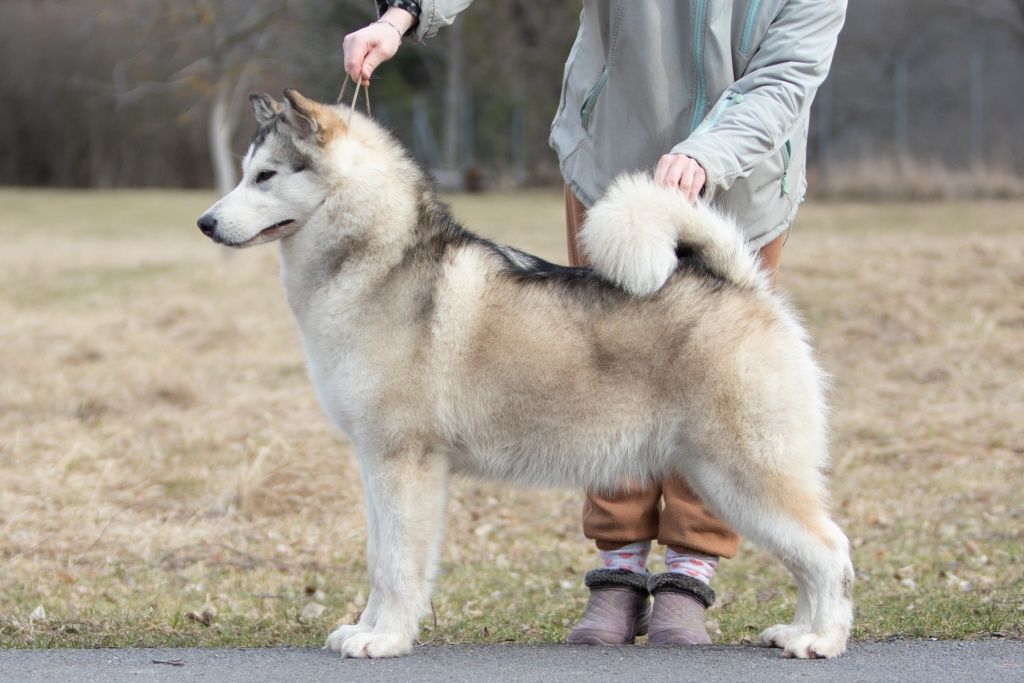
<point>715,96</point>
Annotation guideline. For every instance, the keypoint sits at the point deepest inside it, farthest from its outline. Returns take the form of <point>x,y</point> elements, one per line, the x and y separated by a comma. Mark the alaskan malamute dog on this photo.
<point>438,351</point>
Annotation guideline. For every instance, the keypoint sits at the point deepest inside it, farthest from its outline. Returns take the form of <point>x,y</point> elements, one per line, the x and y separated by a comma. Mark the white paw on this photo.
<point>782,635</point>
<point>337,639</point>
<point>377,644</point>
<point>811,645</point>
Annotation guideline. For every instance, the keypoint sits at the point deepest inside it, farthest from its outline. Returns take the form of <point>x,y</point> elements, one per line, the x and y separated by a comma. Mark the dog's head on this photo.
<point>284,173</point>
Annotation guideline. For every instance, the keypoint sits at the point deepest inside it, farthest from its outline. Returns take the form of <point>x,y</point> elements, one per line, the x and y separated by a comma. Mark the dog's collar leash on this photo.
<point>355,96</point>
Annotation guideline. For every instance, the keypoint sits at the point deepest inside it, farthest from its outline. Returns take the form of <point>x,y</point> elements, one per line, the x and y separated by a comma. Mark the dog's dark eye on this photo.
<point>264,176</point>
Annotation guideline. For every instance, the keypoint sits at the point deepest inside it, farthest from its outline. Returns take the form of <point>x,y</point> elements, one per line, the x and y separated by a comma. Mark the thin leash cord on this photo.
<point>355,97</point>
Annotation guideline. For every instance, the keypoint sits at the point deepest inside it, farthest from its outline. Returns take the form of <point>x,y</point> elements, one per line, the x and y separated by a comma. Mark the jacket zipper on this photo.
<point>591,98</point>
<point>733,98</point>
<point>716,113</point>
<point>748,25</point>
<point>698,54</point>
<point>787,153</point>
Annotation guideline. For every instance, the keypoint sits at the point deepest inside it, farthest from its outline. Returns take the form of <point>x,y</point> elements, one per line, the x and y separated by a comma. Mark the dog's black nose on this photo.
<point>208,224</point>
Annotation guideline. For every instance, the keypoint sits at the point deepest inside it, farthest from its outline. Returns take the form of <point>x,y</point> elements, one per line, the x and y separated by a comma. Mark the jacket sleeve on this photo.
<point>437,13</point>
<point>430,14</point>
<point>759,112</point>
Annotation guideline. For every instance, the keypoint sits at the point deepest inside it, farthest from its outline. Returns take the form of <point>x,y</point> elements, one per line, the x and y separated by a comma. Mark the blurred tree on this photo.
<point>214,50</point>
<point>1007,15</point>
<point>152,92</point>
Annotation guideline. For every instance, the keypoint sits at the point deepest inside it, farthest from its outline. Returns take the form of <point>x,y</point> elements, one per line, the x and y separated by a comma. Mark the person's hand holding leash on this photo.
<point>369,47</point>
<point>679,170</point>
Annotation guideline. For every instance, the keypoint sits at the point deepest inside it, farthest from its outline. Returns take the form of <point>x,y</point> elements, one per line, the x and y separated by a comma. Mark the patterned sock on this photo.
<point>700,567</point>
<point>632,557</point>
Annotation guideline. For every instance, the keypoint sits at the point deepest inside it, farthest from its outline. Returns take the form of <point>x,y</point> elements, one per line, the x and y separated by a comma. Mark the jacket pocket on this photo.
<point>787,157</point>
<point>570,64</point>
<point>591,99</point>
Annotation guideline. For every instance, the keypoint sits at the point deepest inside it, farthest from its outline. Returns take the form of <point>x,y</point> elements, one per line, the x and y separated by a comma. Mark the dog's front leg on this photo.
<point>405,499</point>
<point>368,617</point>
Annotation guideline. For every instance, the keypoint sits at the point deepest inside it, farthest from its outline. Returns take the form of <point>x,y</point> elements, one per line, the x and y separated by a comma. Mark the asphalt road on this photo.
<point>916,660</point>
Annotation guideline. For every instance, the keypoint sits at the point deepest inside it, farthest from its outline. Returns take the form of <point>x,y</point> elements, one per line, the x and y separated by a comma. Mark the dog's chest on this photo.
<point>338,383</point>
<point>336,371</point>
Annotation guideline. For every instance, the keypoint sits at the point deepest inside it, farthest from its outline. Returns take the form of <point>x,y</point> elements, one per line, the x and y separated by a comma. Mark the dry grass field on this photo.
<point>166,476</point>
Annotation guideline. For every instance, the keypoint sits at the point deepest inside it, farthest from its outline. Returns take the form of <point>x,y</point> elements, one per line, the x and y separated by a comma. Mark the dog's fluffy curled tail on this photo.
<point>633,236</point>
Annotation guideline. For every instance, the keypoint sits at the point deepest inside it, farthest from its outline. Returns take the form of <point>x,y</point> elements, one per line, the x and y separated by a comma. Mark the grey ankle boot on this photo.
<point>679,605</point>
<point>617,611</point>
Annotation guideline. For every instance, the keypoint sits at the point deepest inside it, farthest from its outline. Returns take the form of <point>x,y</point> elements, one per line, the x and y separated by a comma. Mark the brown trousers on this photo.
<point>684,524</point>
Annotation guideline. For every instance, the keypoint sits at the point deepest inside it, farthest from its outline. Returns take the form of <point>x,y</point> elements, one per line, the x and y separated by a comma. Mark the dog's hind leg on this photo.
<point>782,635</point>
<point>786,514</point>
<point>408,493</point>
<point>824,573</point>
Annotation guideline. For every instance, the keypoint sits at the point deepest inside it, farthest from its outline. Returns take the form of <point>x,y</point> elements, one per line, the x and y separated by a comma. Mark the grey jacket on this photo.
<point>727,82</point>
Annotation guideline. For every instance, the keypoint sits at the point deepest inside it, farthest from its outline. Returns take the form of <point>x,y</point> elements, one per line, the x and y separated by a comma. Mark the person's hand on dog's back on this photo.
<point>679,170</point>
<point>369,47</point>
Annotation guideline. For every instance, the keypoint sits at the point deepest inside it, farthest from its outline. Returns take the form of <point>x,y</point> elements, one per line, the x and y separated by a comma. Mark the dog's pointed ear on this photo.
<point>298,112</point>
<point>264,106</point>
<point>310,118</point>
